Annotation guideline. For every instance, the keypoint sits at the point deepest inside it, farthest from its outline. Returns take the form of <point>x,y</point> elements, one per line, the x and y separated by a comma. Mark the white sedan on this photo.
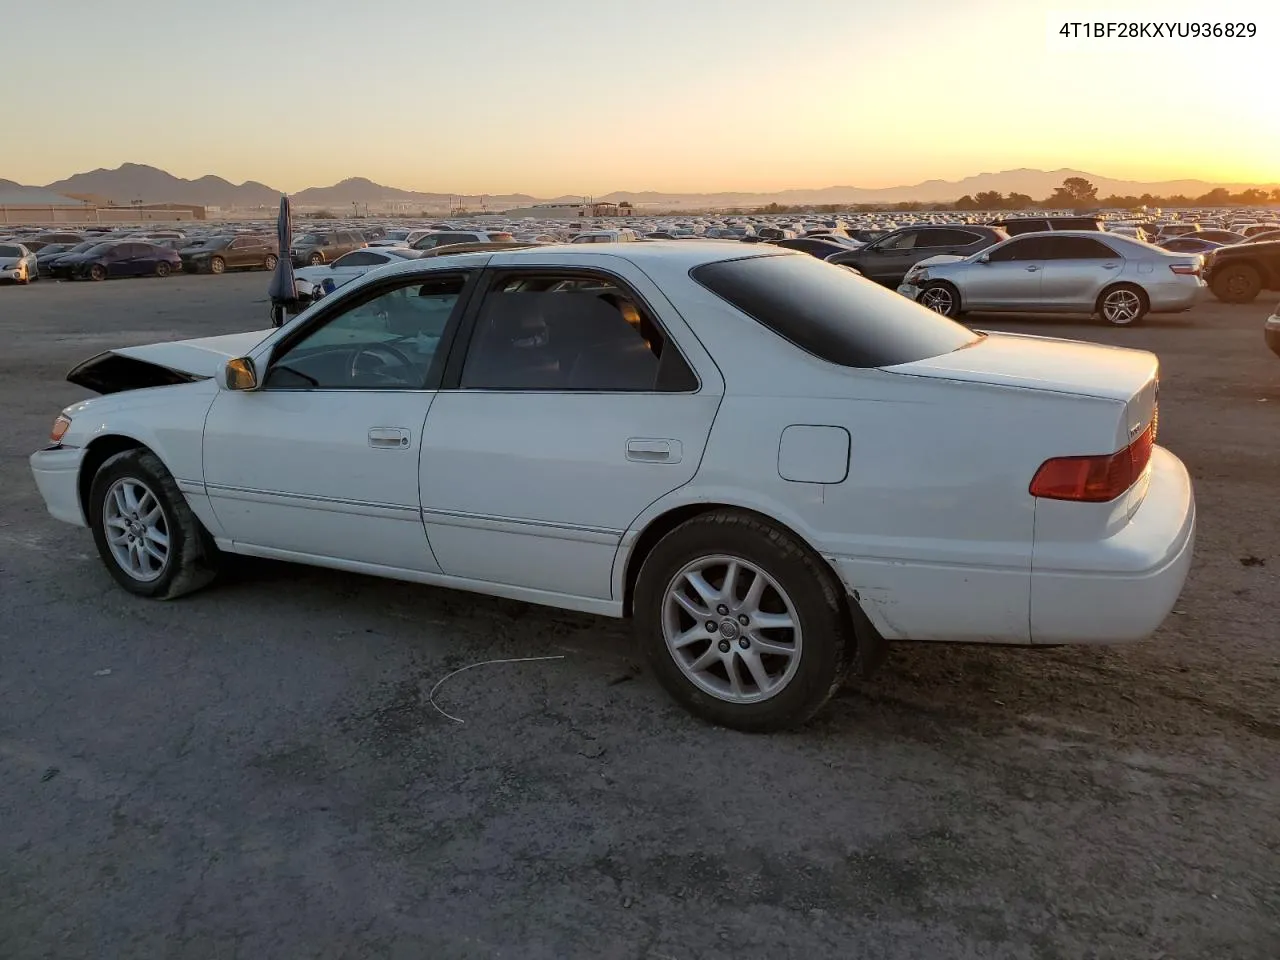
<point>773,465</point>
<point>355,264</point>
<point>17,263</point>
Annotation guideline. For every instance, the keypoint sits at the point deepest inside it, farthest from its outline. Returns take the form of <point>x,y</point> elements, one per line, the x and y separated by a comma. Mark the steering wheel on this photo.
<point>380,352</point>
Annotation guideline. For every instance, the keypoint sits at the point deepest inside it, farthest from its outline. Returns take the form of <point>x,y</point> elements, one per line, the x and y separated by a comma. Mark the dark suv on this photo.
<point>317,248</point>
<point>1014,226</point>
<point>888,259</point>
<point>219,254</point>
<point>1239,272</point>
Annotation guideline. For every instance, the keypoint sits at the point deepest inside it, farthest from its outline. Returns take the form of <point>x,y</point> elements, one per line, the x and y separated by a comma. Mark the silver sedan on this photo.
<point>17,263</point>
<point>1064,271</point>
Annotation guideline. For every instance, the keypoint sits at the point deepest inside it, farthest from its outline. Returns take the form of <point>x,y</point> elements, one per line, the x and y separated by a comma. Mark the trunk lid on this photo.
<point>1042,363</point>
<point>162,364</point>
<point>1129,377</point>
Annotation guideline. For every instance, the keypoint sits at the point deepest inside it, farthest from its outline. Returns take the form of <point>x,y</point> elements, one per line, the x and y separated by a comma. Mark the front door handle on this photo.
<point>1110,266</point>
<point>642,450</point>
<point>388,438</point>
<point>1032,269</point>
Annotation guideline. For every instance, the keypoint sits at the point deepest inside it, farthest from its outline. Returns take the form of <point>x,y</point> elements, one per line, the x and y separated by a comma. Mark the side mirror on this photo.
<point>239,375</point>
<point>983,258</point>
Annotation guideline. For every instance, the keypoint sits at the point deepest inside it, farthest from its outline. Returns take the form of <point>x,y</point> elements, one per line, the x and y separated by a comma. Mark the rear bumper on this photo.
<point>57,475</point>
<point>1119,589</point>
<point>1175,297</point>
<point>1272,332</point>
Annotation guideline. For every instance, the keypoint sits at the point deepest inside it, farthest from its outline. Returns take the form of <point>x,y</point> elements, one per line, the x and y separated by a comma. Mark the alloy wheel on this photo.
<point>937,299</point>
<point>731,629</point>
<point>136,528</point>
<point>1121,307</point>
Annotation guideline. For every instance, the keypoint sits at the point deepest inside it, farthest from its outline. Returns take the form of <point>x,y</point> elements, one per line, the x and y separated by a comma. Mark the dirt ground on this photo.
<point>255,771</point>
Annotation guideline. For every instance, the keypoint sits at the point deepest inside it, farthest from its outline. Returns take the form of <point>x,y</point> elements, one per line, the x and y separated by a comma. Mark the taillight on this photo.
<point>1186,269</point>
<point>1095,479</point>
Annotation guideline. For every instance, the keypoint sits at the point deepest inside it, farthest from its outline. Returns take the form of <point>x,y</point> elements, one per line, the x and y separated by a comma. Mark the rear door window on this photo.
<point>832,313</point>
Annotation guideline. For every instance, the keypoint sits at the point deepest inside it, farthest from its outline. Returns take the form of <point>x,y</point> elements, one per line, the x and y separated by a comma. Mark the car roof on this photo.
<point>682,255</point>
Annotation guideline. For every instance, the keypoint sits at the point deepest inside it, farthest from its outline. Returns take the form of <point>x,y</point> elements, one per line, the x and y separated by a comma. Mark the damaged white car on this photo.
<point>773,465</point>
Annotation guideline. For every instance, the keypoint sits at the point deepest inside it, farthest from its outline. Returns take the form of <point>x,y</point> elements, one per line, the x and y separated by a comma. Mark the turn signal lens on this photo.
<point>1094,479</point>
<point>60,427</point>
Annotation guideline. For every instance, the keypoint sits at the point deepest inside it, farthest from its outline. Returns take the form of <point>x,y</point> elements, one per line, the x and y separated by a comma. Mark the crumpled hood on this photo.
<point>939,259</point>
<point>163,364</point>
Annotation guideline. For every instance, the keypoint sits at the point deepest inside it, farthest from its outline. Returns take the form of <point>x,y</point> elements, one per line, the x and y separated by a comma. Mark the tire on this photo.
<point>217,265</point>
<point>1123,305</point>
<point>315,259</point>
<point>1237,283</point>
<point>97,272</point>
<point>270,262</point>
<point>940,297</point>
<point>796,583</point>
<point>189,561</point>
<point>163,269</point>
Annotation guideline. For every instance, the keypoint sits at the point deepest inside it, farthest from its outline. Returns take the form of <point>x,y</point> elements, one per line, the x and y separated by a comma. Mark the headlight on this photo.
<point>914,275</point>
<point>60,427</point>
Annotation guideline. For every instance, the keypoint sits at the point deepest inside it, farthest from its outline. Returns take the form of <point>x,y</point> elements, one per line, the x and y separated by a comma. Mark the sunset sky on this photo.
<point>573,96</point>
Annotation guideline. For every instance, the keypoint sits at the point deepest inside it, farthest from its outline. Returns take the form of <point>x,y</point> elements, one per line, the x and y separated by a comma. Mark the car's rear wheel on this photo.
<point>1123,305</point>
<point>163,269</point>
<point>940,297</point>
<point>148,538</point>
<point>1237,283</point>
<point>742,624</point>
<point>316,259</point>
<point>271,261</point>
<point>97,272</point>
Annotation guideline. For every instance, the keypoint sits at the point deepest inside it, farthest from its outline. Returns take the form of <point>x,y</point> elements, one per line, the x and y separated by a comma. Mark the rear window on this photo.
<point>832,313</point>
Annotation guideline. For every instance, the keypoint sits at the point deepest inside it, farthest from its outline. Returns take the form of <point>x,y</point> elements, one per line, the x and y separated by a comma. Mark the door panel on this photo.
<point>1005,285</point>
<point>536,489</point>
<point>331,473</point>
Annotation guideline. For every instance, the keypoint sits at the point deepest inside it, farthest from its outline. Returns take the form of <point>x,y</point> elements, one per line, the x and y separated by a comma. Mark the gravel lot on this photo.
<point>255,772</point>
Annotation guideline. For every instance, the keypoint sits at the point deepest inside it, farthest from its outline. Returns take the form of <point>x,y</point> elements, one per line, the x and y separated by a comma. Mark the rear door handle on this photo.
<point>1110,266</point>
<point>388,438</point>
<point>1033,268</point>
<point>643,450</point>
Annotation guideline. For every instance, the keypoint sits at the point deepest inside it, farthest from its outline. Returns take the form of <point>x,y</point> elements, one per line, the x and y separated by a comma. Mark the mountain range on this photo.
<point>133,182</point>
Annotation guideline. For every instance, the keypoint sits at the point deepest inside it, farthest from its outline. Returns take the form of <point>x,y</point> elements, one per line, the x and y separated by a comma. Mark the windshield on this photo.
<point>831,312</point>
<point>8,250</point>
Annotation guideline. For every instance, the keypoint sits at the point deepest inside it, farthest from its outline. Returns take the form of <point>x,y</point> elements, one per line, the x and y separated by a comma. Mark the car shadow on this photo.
<point>928,692</point>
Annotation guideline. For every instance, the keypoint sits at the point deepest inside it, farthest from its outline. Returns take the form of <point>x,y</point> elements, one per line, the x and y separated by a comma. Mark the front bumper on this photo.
<point>909,290</point>
<point>13,273</point>
<point>1119,589</point>
<point>1272,332</point>
<point>57,475</point>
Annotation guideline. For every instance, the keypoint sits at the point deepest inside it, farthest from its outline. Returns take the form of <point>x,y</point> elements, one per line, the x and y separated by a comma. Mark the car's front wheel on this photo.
<point>315,259</point>
<point>146,534</point>
<point>217,265</point>
<point>1237,283</point>
<point>940,297</point>
<point>97,272</point>
<point>271,261</point>
<point>163,269</point>
<point>741,622</point>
